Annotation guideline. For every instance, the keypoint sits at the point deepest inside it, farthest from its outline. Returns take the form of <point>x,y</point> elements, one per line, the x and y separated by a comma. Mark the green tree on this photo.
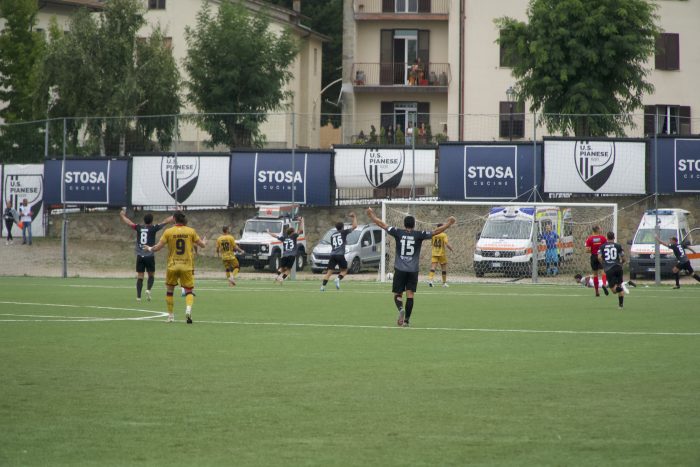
<point>582,62</point>
<point>21,50</point>
<point>237,65</point>
<point>105,75</point>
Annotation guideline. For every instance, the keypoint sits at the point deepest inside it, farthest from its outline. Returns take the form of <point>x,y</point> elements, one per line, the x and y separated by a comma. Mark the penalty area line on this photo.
<point>154,314</point>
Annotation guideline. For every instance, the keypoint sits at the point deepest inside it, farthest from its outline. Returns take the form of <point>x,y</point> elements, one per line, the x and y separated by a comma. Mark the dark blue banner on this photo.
<point>678,165</point>
<point>87,181</point>
<point>487,171</point>
<point>274,177</point>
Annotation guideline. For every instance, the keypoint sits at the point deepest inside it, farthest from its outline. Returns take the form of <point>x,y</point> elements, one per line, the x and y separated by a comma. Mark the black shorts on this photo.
<point>404,281</point>
<point>685,267</point>
<point>595,263</point>
<point>145,263</point>
<point>614,276</point>
<point>338,260</point>
<point>287,262</point>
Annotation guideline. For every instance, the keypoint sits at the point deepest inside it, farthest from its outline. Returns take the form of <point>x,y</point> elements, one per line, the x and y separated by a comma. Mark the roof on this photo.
<point>93,5</point>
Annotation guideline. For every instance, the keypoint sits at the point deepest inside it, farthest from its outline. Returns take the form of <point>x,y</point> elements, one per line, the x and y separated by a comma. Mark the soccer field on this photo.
<point>286,375</point>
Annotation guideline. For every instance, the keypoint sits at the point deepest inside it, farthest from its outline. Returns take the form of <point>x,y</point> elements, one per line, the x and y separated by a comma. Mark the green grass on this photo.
<point>488,375</point>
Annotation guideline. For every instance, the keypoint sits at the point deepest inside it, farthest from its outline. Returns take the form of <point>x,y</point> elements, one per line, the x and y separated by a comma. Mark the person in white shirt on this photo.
<point>409,134</point>
<point>25,218</point>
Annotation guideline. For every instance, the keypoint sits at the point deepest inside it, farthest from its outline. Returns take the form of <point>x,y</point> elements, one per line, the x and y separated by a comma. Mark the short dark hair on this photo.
<point>611,235</point>
<point>578,277</point>
<point>409,222</point>
<point>339,225</point>
<point>675,239</point>
<point>148,218</point>
<point>290,231</point>
<point>180,217</point>
<point>596,228</point>
<point>224,229</point>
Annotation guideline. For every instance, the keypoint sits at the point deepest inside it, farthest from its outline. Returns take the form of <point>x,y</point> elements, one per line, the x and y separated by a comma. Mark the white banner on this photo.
<point>21,182</point>
<point>602,166</point>
<point>383,168</point>
<point>198,180</point>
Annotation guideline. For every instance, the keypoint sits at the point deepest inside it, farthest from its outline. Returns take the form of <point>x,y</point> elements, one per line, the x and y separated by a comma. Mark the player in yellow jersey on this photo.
<point>180,240</point>
<point>226,248</point>
<point>439,255</point>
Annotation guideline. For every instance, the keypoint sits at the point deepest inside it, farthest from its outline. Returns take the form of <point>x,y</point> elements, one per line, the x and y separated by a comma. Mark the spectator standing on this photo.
<point>409,134</point>
<point>25,219</point>
<point>11,218</point>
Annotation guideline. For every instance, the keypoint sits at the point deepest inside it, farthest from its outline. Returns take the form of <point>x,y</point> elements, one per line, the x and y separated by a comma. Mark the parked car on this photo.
<point>363,248</point>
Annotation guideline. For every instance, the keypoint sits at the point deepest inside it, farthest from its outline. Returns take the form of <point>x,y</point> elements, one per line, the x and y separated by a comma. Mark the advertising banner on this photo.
<point>486,171</point>
<point>25,182</point>
<point>383,167</point>
<point>276,177</point>
<point>686,165</point>
<point>87,182</point>
<point>197,180</point>
<point>594,166</point>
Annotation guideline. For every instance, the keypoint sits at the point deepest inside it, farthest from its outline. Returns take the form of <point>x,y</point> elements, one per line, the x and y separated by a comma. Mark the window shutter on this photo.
<point>504,119</point>
<point>423,6</point>
<point>672,52</point>
<point>388,6</point>
<point>386,57</point>
<point>684,117</point>
<point>649,116</point>
<point>387,117</point>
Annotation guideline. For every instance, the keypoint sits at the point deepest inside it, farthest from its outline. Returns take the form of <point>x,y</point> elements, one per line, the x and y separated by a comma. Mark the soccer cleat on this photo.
<point>631,284</point>
<point>444,284</point>
<point>231,281</point>
<point>171,318</point>
<point>430,283</point>
<point>605,291</point>
<point>676,287</point>
<point>323,288</point>
<point>405,324</point>
<point>620,307</point>
<point>624,287</point>
<point>400,321</point>
<point>189,320</point>
<point>337,283</point>
<point>138,299</point>
<point>148,295</point>
<point>597,294</point>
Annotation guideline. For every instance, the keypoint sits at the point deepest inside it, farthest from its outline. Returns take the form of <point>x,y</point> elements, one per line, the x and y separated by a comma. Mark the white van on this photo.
<point>672,223</point>
<point>505,242</point>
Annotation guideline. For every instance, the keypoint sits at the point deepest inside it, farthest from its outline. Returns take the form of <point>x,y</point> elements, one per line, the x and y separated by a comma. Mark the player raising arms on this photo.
<point>683,263</point>
<point>226,248</point>
<point>439,243</point>
<point>180,240</point>
<point>289,250</point>
<point>408,245</point>
<point>338,241</point>
<point>145,261</point>
<point>593,244</point>
<point>612,257</point>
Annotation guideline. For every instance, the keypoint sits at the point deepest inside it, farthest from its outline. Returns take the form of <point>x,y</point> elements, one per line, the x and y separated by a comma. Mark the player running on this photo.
<point>439,256</point>
<point>226,248</point>
<point>683,263</point>
<point>593,244</point>
<point>612,257</point>
<point>338,241</point>
<point>587,281</point>
<point>145,261</point>
<point>408,246</point>
<point>180,240</point>
<point>289,250</point>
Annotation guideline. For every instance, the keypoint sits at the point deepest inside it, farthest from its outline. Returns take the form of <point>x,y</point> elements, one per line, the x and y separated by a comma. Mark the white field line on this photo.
<point>155,314</point>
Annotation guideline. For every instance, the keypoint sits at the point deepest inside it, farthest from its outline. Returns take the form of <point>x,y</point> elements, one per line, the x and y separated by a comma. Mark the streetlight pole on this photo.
<point>510,95</point>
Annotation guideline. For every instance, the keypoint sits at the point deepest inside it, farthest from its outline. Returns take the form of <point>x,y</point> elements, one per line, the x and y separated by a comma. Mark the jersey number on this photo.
<point>336,241</point>
<point>407,246</point>
<point>143,237</point>
<point>610,254</point>
<point>288,244</point>
<point>225,246</point>
<point>437,243</point>
<point>180,246</point>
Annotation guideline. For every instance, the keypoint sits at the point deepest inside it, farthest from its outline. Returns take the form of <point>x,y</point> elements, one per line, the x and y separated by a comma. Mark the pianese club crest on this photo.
<point>384,167</point>
<point>594,161</point>
<point>179,181</point>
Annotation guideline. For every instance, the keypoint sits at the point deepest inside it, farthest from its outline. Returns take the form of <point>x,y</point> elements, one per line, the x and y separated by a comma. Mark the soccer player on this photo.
<point>180,240</point>
<point>587,281</point>
<point>338,240</point>
<point>145,261</point>
<point>551,255</point>
<point>439,256</point>
<point>593,244</point>
<point>226,248</point>
<point>289,250</point>
<point>408,246</point>
<point>612,257</point>
<point>683,263</point>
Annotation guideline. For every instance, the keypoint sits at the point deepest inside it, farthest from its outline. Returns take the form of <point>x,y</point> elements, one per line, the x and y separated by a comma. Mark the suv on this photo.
<point>261,249</point>
<point>363,248</point>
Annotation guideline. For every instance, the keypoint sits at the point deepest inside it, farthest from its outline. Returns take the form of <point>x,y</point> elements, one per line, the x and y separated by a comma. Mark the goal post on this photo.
<point>510,241</point>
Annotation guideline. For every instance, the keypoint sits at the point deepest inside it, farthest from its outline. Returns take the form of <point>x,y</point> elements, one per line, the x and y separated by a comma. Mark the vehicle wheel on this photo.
<point>355,266</point>
<point>259,266</point>
<point>301,261</point>
<point>274,261</point>
<point>633,275</point>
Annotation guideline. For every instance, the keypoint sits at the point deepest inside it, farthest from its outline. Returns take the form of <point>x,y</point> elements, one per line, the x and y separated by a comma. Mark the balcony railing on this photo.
<point>402,7</point>
<point>429,75</point>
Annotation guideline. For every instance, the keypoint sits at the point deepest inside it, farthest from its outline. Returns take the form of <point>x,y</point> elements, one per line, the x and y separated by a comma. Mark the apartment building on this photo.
<point>462,90</point>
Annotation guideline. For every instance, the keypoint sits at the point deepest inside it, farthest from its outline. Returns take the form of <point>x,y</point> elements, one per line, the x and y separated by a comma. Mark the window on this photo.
<point>377,237</point>
<point>156,4</point>
<point>667,52</point>
<point>511,119</point>
<point>668,119</point>
<point>367,239</point>
<point>507,56</point>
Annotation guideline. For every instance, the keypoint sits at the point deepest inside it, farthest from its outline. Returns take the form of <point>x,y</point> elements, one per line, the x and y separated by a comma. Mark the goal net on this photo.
<point>502,241</point>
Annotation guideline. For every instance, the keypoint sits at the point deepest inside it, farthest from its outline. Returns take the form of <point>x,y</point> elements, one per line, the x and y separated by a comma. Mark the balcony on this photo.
<point>382,77</point>
<point>407,10</point>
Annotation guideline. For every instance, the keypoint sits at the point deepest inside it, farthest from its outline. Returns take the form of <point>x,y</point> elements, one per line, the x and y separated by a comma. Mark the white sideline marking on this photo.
<point>156,314</point>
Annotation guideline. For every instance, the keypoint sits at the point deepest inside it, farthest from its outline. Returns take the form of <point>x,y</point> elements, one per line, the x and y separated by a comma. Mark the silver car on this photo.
<point>363,248</point>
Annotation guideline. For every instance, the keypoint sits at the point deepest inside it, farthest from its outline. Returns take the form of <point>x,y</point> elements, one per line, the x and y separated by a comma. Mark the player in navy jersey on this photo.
<point>145,261</point>
<point>683,263</point>
<point>612,257</point>
<point>338,240</point>
<point>407,260</point>
<point>290,249</point>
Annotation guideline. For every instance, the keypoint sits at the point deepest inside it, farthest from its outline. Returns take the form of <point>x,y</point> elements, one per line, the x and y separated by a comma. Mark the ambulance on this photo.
<point>672,223</point>
<point>505,242</point>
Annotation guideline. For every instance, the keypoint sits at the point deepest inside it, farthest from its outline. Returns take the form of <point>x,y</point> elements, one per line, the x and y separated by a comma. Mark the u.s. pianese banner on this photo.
<point>25,182</point>
<point>594,166</point>
<point>383,167</point>
<point>197,180</point>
